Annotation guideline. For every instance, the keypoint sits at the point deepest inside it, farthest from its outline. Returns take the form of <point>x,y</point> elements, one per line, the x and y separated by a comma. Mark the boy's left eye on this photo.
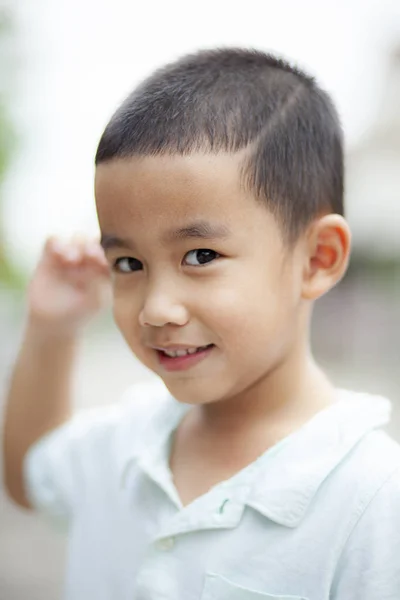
<point>197,258</point>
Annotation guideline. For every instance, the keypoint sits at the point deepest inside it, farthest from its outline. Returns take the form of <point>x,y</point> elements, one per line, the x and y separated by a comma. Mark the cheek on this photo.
<point>259,308</point>
<point>126,315</point>
<point>244,300</point>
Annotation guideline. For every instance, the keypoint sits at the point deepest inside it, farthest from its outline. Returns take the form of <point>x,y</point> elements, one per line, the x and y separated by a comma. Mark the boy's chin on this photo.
<point>191,392</point>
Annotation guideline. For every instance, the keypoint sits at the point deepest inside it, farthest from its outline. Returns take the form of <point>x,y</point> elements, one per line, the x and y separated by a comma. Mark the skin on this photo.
<point>69,285</point>
<point>253,300</point>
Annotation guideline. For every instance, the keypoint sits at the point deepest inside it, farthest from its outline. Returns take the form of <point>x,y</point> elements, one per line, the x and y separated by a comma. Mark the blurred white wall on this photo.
<point>77,60</point>
<point>373,172</point>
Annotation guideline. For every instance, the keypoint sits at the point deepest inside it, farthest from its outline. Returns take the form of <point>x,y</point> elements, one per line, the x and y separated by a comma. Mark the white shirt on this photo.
<point>316,517</point>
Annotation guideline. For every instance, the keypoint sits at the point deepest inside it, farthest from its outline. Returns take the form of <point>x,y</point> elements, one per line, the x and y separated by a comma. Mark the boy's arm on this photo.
<point>39,400</point>
<point>70,284</point>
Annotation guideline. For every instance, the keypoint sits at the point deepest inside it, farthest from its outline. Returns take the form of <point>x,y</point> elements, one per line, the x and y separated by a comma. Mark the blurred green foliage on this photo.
<point>9,276</point>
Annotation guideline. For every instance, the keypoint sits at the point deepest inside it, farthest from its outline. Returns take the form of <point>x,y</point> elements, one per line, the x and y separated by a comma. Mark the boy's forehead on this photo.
<point>171,188</point>
<point>165,199</point>
<point>165,172</point>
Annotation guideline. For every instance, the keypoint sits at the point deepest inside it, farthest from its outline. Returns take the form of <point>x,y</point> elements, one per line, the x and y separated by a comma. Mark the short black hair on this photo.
<point>229,99</point>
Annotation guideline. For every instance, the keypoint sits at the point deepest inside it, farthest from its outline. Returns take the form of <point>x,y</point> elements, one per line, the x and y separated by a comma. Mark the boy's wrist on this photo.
<point>41,333</point>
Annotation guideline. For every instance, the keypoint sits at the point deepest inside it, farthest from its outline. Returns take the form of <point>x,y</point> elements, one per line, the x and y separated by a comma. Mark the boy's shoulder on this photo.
<point>375,455</point>
<point>373,462</point>
<point>334,465</point>
<point>92,447</point>
<point>146,411</point>
<point>138,405</point>
<point>116,430</point>
<point>365,484</point>
<point>142,406</point>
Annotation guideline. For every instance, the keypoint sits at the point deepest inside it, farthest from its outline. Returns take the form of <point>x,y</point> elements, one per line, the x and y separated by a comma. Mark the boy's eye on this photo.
<point>127,264</point>
<point>196,258</point>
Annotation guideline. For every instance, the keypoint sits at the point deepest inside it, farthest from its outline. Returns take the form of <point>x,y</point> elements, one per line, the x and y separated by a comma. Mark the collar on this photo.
<point>150,415</point>
<point>285,486</point>
<point>283,481</point>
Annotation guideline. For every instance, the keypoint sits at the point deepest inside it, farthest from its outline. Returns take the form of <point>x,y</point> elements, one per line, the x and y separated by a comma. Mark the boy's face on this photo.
<point>198,265</point>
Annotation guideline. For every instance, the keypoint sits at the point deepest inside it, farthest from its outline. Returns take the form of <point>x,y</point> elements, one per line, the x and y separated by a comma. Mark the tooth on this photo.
<point>179,353</point>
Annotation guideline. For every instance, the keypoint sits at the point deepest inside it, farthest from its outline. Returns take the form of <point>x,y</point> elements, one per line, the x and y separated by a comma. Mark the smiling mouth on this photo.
<point>184,352</point>
<point>180,359</point>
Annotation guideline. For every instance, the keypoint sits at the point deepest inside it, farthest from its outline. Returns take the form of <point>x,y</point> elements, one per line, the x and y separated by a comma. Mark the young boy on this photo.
<point>245,474</point>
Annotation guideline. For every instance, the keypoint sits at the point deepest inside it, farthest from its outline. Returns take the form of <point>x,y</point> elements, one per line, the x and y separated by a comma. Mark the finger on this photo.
<point>77,246</point>
<point>51,245</point>
<point>95,251</point>
<point>53,250</point>
<point>64,252</point>
<point>94,255</point>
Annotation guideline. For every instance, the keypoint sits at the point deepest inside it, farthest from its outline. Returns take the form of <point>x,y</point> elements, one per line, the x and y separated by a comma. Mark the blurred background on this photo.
<point>65,66</point>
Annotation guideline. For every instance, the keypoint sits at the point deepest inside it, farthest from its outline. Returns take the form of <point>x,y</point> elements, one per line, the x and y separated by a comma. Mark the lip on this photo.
<point>181,363</point>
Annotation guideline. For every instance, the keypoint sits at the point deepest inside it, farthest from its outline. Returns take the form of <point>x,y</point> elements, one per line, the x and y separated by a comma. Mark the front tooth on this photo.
<point>192,350</point>
<point>180,353</point>
<point>170,353</point>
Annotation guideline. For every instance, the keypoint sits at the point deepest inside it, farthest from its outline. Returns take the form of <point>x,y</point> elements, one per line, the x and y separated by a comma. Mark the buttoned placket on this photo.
<point>220,508</point>
<point>217,512</point>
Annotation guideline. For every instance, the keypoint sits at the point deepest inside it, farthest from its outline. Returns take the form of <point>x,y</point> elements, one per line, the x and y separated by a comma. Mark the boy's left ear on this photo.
<point>327,254</point>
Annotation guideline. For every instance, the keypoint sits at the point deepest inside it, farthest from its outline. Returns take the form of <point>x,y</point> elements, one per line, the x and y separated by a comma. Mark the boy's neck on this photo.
<point>215,441</point>
<point>283,401</point>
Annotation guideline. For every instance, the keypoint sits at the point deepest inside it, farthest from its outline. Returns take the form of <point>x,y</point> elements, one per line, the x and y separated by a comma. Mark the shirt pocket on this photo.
<point>218,587</point>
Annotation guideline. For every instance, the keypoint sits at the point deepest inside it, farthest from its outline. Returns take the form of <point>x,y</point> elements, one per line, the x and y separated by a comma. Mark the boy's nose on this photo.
<point>161,308</point>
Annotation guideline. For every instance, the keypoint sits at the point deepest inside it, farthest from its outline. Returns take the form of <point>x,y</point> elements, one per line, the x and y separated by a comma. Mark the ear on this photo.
<point>327,255</point>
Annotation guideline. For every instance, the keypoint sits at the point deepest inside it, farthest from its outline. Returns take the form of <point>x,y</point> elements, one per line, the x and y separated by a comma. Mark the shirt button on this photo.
<point>166,543</point>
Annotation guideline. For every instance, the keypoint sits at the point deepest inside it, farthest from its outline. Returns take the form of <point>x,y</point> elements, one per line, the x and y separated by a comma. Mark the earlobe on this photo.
<point>326,255</point>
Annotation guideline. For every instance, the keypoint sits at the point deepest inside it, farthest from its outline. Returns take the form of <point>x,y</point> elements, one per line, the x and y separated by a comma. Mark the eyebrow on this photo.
<point>108,242</point>
<point>199,229</point>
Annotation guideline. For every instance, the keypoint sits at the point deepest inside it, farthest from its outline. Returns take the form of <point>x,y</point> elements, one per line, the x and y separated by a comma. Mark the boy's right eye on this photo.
<point>127,264</point>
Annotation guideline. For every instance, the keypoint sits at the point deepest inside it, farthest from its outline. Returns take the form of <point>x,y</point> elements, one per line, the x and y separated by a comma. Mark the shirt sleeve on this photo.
<point>370,564</point>
<point>54,467</point>
<point>62,466</point>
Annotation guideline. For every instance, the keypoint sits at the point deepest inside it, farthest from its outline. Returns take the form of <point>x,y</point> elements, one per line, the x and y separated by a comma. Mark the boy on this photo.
<point>249,475</point>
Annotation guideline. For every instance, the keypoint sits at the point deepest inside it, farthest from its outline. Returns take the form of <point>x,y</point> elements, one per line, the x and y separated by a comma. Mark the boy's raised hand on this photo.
<point>71,283</point>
